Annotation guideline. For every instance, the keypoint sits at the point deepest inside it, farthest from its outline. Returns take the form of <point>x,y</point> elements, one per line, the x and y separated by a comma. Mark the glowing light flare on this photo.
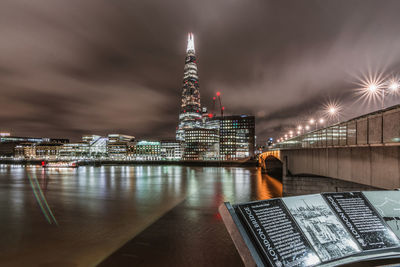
<point>321,121</point>
<point>332,110</point>
<point>218,93</point>
<point>312,121</point>
<point>371,86</point>
<point>394,86</point>
<point>307,127</point>
<point>299,127</point>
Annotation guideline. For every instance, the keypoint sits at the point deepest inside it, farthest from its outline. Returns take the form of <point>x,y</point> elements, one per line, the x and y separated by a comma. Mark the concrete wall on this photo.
<point>304,185</point>
<point>377,166</point>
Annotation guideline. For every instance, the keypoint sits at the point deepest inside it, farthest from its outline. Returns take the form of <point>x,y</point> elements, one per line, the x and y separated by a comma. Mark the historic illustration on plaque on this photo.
<point>321,226</point>
<point>387,204</point>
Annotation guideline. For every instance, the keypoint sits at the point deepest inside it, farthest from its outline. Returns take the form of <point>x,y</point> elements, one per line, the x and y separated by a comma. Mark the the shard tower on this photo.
<point>190,110</point>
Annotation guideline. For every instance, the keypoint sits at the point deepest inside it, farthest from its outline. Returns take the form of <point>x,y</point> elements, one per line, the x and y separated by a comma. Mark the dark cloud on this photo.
<point>73,67</point>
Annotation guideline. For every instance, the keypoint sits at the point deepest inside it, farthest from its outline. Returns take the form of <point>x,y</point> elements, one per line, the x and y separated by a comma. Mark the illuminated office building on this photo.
<point>145,150</point>
<point>97,145</point>
<point>171,150</point>
<point>118,138</point>
<point>12,145</point>
<point>237,136</point>
<point>190,114</point>
<point>75,150</point>
<point>118,145</point>
<point>201,144</point>
<point>37,150</point>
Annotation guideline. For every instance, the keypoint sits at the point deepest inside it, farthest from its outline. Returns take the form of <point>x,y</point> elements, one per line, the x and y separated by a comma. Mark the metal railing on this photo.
<point>377,128</point>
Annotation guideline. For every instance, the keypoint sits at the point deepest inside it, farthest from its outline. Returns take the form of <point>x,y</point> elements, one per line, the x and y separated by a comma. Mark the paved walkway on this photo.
<point>185,236</point>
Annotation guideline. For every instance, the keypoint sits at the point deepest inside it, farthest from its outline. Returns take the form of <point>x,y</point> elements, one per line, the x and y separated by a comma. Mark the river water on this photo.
<point>159,215</point>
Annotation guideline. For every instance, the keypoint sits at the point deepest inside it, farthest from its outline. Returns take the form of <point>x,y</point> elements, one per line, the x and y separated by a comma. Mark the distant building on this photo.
<point>145,150</point>
<point>47,150</point>
<point>201,144</point>
<point>12,145</point>
<point>97,145</point>
<point>171,150</point>
<point>25,150</point>
<point>190,114</point>
<point>118,138</point>
<point>118,145</point>
<point>75,150</point>
<point>117,150</point>
<point>237,136</point>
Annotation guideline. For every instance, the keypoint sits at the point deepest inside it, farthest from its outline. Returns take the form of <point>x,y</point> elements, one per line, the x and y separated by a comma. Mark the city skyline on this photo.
<point>119,69</point>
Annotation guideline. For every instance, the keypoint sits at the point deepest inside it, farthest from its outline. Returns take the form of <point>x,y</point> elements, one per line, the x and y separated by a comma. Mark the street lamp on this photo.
<point>372,88</point>
<point>312,121</point>
<point>392,87</point>
<point>332,109</point>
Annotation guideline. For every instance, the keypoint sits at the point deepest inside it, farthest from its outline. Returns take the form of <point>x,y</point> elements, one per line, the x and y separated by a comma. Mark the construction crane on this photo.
<point>220,104</point>
<point>212,113</point>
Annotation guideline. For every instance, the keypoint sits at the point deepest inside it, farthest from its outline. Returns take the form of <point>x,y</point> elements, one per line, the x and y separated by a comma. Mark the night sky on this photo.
<point>76,67</point>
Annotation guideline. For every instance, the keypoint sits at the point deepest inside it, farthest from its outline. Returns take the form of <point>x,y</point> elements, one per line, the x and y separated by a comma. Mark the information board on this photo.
<point>278,236</point>
<point>321,229</point>
<point>361,220</point>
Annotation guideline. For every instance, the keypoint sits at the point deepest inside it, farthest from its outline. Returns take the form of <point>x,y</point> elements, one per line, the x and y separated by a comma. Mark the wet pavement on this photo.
<point>140,215</point>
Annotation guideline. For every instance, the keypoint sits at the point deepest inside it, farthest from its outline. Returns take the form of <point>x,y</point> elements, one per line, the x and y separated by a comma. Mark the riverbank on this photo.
<point>247,163</point>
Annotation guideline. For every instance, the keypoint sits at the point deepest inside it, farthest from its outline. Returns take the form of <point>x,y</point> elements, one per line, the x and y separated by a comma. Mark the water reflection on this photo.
<point>113,203</point>
<point>40,198</point>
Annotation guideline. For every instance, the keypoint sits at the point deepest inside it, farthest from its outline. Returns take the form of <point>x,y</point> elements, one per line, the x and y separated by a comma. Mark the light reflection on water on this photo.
<point>92,204</point>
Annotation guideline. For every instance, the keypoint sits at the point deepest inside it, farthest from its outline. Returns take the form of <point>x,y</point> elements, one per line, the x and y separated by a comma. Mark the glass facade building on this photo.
<point>145,150</point>
<point>190,114</point>
<point>237,136</point>
<point>201,144</point>
<point>171,150</point>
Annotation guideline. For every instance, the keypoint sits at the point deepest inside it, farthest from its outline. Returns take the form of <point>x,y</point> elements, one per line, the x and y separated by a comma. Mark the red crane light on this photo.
<point>214,98</point>
<point>218,93</point>
<point>223,108</point>
<point>210,115</point>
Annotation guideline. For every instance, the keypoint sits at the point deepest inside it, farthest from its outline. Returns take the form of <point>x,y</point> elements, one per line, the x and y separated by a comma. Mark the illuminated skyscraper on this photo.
<point>190,111</point>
